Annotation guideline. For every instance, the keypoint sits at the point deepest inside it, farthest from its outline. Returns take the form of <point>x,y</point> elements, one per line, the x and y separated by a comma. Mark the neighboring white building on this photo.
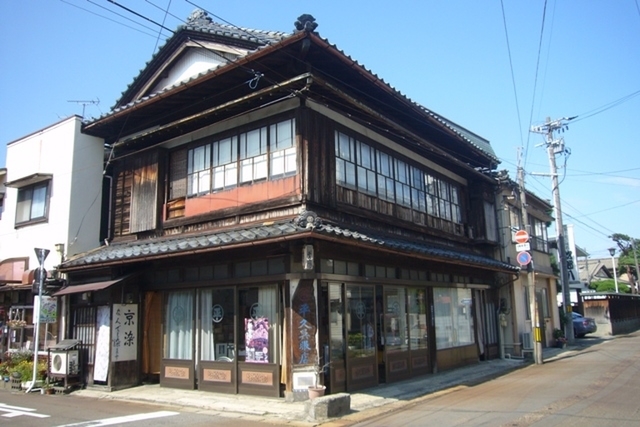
<point>51,199</point>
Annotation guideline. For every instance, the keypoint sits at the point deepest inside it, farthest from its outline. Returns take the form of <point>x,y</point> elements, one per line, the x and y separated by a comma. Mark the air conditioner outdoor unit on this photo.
<point>64,362</point>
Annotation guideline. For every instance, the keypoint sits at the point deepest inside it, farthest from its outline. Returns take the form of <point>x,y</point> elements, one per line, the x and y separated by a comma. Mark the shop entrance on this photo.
<point>377,334</point>
<point>223,339</point>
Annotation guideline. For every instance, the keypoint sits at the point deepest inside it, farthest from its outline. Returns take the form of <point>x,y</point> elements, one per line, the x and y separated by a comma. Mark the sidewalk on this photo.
<point>385,397</point>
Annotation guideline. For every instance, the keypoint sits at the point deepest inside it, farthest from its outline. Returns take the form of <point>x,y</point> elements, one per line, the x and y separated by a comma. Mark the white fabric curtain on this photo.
<point>179,325</point>
<point>207,336</point>
<point>103,344</point>
<point>267,298</point>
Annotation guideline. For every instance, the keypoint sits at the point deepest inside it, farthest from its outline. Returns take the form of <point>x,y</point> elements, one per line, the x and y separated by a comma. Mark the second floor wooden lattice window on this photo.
<point>263,153</point>
<point>368,170</point>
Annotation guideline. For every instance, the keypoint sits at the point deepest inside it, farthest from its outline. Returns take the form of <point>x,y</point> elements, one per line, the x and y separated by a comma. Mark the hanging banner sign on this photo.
<point>124,334</point>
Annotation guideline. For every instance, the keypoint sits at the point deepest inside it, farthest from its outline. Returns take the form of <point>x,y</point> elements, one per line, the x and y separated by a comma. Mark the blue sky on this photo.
<point>571,58</point>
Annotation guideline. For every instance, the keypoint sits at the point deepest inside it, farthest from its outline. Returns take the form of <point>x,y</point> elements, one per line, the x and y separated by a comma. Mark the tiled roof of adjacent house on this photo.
<point>306,223</point>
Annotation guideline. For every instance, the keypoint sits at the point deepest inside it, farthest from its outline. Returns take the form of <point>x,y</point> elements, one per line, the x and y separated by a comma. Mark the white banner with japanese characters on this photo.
<point>124,336</point>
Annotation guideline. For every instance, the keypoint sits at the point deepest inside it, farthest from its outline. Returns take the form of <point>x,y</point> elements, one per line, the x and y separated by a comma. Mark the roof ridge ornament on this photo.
<point>306,23</point>
<point>199,17</point>
<point>308,220</point>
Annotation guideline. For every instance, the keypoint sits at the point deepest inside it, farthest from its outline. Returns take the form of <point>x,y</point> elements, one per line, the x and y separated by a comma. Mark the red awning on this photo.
<point>88,287</point>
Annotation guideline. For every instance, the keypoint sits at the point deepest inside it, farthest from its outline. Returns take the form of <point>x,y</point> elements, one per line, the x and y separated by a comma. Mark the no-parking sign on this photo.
<point>523,258</point>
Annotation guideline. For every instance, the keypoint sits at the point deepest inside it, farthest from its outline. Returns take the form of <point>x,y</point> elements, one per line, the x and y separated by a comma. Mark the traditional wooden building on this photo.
<point>280,216</point>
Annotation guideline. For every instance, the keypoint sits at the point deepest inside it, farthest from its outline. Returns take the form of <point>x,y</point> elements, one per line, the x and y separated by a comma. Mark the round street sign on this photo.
<point>523,258</point>
<point>521,236</point>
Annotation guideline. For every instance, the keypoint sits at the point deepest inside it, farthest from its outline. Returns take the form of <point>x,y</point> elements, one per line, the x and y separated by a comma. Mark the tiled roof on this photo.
<point>178,245</point>
<point>265,38</point>
<point>421,248</point>
<point>200,21</point>
<point>306,222</point>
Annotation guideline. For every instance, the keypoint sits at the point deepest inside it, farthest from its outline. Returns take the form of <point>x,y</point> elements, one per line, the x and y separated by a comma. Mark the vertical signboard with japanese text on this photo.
<point>303,337</point>
<point>124,337</point>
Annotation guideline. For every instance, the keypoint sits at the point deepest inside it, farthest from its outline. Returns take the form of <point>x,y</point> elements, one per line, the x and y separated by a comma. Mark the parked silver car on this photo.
<point>583,325</point>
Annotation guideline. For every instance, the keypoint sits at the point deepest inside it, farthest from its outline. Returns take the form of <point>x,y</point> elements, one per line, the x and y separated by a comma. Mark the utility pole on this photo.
<point>529,279</point>
<point>635,289</point>
<point>555,147</point>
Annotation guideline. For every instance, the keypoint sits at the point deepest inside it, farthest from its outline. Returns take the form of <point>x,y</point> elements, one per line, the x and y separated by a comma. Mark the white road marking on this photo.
<point>123,419</point>
<point>16,411</point>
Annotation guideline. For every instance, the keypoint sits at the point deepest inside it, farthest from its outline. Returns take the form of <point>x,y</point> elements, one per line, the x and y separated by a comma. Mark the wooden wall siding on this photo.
<point>419,217</point>
<point>318,134</point>
<point>456,357</point>
<point>145,193</point>
<point>244,196</point>
<point>404,213</point>
<point>178,174</point>
<point>181,226</point>
<point>122,203</point>
<point>124,374</point>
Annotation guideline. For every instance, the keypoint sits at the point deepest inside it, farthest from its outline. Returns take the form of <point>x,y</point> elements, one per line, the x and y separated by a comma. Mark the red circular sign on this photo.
<point>521,236</point>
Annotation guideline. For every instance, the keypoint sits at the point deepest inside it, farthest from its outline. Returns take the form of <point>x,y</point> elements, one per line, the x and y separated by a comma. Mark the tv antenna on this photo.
<point>85,103</point>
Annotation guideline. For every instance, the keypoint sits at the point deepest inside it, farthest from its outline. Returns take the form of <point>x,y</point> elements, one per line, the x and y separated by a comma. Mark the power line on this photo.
<point>535,81</point>
<point>608,106</point>
<point>141,16</point>
<point>164,19</point>
<point>588,173</point>
<point>613,207</point>
<point>109,19</point>
<point>513,78</point>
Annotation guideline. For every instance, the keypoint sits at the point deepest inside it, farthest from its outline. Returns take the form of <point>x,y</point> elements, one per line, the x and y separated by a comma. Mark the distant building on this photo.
<point>515,308</point>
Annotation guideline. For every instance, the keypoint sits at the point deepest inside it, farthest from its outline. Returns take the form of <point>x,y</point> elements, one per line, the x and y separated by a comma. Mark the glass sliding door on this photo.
<point>396,334</point>
<point>360,323</point>
<point>257,340</point>
<point>418,330</point>
<point>454,327</point>
<point>217,369</point>
<point>177,365</point>
<point>337,348</point>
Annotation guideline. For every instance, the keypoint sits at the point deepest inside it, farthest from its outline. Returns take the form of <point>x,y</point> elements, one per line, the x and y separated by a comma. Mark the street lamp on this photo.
<point>612,251</point>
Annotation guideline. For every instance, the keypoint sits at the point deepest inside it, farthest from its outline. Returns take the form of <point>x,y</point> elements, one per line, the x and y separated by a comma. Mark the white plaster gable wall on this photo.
<point>194,62</point>
<point>54,150</point>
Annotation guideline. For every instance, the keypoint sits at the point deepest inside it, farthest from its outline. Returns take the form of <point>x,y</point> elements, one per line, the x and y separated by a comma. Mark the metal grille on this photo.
<point>84,329</point>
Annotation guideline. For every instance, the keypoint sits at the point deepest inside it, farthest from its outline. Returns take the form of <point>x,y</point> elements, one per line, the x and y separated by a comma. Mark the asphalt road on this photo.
<point>18,409</point>
<point>597,385</point>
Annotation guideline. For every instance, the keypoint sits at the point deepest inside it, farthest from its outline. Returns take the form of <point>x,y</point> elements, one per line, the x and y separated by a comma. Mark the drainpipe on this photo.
<point>110,178</point>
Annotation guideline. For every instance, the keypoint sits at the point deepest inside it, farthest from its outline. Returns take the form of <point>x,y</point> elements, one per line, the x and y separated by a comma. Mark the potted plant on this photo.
<point>16,323</point>
<point>561,340</point>
<point>317,389</point>
<point>47,388</point>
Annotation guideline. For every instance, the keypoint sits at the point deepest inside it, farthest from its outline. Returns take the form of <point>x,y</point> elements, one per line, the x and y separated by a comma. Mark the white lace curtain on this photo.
<point>179,324</point>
